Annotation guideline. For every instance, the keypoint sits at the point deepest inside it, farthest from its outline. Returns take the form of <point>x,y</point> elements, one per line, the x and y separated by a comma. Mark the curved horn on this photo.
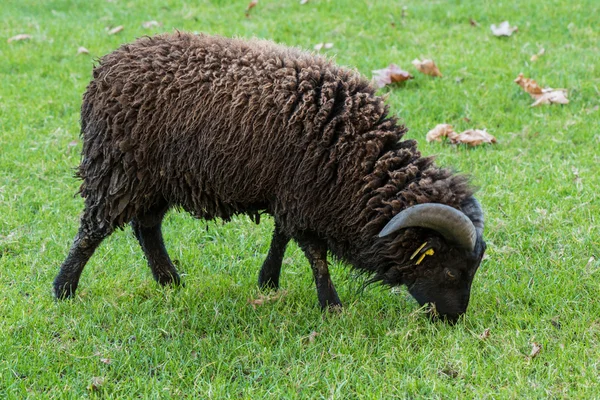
<point>451,223</point>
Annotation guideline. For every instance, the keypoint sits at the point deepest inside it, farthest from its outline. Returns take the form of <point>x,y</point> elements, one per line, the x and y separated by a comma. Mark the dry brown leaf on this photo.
<point>535,350</point>
<point>251,5</point>
<point>115,30</point>
<point>473,22</point>
<point>427,67</point>
<point>542,96</point>
<point>266,298</point>
<point>473,137</point>
<point>389,75</point>
<point>96,384</point>
<point>439,132</point>
<point>82,50</point>
<point>485,334</point>
<point>150,24</point>
<point>540,53</point>
<point>311,337</point>
<point>529,85</point>
<point>504,29</point>
<point>21,36</point>
<point>551,96</point>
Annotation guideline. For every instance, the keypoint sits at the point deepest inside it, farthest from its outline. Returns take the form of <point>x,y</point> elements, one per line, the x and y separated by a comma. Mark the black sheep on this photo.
<point>220,127</point>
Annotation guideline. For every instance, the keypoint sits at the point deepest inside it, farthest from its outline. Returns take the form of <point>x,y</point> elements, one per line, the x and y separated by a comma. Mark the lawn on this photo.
<point>123,336</point>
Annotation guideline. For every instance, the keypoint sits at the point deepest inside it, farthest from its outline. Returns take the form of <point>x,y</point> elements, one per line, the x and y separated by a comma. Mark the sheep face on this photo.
<point>443,276</point>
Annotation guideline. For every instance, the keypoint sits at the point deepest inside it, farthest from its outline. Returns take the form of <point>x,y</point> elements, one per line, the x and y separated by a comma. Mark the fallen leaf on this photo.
<point>551,96</point>
<point>473,22</point>
<point>266,298</point>
<point>389,75</point>
<point>485,334</point>
<point>96,384</point>
<point>106,361</point>
<point>82,50</point>
<point>504,29</point>
<point>115,30</point>
<point>427,67</point>
<point>529,85</point>
<point>542,96</point>
<point>21,36</point>
<point>150,24</point>
<point>311,337</point>
<point>251,5</point>
<point>439,132</point>
<point>320,46</point>
<point>540,53</point>
<point>535,350</point>
<point>473,137</point>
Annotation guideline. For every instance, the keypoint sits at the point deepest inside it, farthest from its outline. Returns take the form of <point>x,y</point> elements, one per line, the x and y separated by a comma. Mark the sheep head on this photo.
<point>442,268</point>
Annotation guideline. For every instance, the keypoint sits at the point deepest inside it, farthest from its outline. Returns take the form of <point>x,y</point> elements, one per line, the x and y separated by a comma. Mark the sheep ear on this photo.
<point>451,223</point>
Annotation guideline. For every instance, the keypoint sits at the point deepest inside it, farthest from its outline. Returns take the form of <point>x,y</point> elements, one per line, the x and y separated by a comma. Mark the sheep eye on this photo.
<point>450,275</point>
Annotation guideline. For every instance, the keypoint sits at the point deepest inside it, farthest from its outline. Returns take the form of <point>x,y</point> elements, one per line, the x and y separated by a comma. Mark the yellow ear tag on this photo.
<point>418,250</point>
<point>429,252</point>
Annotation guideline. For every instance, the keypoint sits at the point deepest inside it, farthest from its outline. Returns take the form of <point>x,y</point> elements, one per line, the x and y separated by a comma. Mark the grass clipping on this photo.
<point>471,137</point>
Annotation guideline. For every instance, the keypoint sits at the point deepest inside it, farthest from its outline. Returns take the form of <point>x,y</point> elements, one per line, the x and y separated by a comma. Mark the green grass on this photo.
<point>539,186</point>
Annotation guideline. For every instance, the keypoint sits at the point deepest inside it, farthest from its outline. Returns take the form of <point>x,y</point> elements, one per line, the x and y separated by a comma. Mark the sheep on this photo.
<point>219,127</point>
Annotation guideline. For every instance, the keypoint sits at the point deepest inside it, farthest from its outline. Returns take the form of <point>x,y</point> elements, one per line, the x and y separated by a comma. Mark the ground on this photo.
<point>123,336</point>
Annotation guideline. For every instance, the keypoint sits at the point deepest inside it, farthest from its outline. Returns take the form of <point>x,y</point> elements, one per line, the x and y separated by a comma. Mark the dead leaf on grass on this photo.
<point>251,5</point>
<point>535,350</point>
<point>473,137</point>
<point>311,337</point>
<point>427,67</point>
<point>150,24</point>
<point>439,132</point>
<point>97,383</point>
<point>116,30</point>
<point>106,361</point>
<point>473,22</point>
<point>485,334</point>
<point>82,50</point>
<point>536,56</point>
<point>552,96</point>
<point>266,298</point>
<point>19,37</point>
<point>391,74</point>
<point>504,29</point>
<point>320,46</point>
<point>542,96</point>
<point>529,85</point>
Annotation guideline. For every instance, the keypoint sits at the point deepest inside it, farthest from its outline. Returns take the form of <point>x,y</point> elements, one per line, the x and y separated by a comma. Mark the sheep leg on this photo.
<point>268,277</point>
<point>316,252</point>
<point>86,241</point>
<point>147,230</point>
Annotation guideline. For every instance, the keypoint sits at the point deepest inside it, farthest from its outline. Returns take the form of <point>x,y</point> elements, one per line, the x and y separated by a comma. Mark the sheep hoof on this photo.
<point>64,292</point>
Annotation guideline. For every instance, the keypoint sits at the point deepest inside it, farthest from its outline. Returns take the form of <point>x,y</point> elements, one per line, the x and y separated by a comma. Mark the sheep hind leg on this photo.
<point>316,252</point>
<point>88,238</point>
<point>147,230</point>
<point>268,277</point>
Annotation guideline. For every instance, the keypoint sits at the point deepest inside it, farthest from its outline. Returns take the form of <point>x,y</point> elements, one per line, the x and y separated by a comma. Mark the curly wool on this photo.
<point>222,126</point>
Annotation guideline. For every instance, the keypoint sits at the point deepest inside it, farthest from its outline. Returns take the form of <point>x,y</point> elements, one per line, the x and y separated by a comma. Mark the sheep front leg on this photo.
<point>316,252</point>
<point>268,277</point>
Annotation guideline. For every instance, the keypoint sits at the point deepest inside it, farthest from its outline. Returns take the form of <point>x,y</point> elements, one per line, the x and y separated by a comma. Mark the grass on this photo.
<point>125,337</point>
